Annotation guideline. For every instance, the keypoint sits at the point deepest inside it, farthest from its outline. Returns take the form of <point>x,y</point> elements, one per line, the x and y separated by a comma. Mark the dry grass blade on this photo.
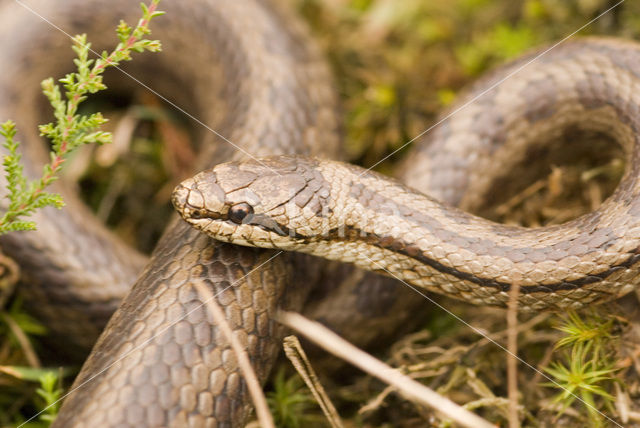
<point>622,403</point>
<point>634,416</point>
<point>376,402</point>
<point>255,389</point>
<point>9,275</point>
<point>294,352</point>
<point>512,361</point>
<point>406,386</point>
<point>23,340</point>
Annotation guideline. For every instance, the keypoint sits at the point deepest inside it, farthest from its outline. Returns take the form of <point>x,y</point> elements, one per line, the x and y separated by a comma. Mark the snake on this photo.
<point>249,70</point>
<point>343,212</point>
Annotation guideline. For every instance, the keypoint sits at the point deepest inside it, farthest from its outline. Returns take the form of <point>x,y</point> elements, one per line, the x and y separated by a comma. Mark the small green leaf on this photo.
<point>31,374</point>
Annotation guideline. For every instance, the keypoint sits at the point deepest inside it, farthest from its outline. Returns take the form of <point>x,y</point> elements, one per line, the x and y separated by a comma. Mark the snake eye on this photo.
<point>238,212</point>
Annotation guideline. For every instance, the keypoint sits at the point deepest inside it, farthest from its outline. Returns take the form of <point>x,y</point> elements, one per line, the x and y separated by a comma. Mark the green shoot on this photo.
<point>288,402</point>
<point>50,391</point>
<point>70,129</point>
<point>589,370</point>
<point>580,330</point>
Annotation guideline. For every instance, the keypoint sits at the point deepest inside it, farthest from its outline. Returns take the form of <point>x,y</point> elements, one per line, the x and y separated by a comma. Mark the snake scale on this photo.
<point>247,69</point>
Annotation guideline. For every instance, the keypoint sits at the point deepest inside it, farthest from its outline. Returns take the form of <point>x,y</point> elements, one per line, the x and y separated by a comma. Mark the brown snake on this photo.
<point>243,69</point>
<point>246,70</point>
<point>341,212</point>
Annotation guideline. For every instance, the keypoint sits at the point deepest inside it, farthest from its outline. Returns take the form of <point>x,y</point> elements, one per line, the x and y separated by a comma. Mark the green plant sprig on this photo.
<point>50,392</point>
<point>69,129</point>
<point>585,377</point>
<point>589,369</point>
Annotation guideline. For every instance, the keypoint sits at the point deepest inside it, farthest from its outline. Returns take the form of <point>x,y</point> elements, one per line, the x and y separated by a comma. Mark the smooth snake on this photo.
<point>266,88</point>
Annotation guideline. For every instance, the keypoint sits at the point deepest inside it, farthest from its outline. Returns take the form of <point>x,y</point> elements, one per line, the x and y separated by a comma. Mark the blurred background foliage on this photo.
<point>398,63</point>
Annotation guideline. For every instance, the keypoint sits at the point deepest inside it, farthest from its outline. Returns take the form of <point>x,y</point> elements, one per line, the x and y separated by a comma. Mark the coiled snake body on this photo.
<point>242,68</point>
<point>245,69</point>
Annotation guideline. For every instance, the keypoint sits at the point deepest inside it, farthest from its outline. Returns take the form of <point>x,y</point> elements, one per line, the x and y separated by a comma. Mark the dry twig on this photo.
<point>294,352</point>
<point>409,388</point>
<point>512,359</point>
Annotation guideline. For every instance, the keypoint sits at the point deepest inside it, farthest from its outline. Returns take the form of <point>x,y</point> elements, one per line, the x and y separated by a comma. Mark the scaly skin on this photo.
<point>242,68</point>
<point>247,71</point>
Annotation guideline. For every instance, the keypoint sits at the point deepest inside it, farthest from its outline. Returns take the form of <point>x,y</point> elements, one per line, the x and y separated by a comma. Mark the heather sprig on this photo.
<point>69,130</point>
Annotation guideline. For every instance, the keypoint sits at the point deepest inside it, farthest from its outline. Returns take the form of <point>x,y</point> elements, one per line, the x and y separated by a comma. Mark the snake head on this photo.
<point>279,202</point>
